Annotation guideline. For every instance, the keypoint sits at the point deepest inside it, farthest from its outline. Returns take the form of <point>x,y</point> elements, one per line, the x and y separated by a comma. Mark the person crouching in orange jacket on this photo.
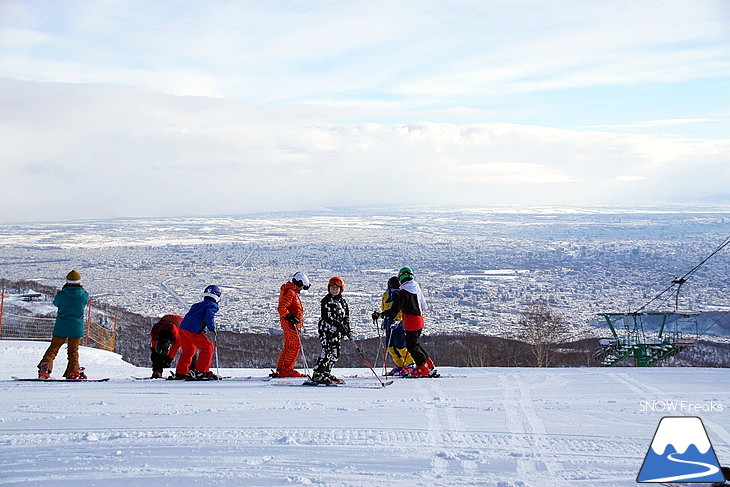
<point>291,318</point>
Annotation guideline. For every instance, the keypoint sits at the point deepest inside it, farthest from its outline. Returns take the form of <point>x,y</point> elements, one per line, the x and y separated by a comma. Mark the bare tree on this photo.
<point>542,328</point>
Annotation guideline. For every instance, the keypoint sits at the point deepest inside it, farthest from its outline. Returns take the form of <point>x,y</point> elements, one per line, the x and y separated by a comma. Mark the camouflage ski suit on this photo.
<point>334,323</point>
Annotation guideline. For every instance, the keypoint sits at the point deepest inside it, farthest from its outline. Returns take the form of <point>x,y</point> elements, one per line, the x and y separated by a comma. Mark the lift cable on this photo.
<point>681,280</point>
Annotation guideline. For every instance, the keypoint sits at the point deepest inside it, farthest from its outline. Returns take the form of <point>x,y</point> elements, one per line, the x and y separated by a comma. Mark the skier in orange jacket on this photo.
<point>291,318</point>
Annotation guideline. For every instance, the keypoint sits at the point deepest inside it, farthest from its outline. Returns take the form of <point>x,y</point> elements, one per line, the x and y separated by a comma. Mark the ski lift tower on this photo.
<point>648,337</point>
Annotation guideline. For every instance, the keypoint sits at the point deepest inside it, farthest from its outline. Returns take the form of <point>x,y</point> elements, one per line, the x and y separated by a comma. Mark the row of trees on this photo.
<point>540,342</point>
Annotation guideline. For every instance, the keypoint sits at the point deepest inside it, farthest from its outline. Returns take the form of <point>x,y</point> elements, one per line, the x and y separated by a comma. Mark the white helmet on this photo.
<point>301,280</point>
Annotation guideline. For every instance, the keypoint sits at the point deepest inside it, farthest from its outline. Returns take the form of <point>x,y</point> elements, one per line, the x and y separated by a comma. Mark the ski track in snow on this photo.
<point>480,427</point>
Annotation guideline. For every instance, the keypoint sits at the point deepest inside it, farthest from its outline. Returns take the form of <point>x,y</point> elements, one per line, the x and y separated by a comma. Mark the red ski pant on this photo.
<point>190,343</point>
<point>290,351</point>
<point>414,327</point>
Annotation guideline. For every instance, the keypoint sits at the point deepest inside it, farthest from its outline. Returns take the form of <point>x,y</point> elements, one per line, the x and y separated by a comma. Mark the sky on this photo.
<point>193,108</point>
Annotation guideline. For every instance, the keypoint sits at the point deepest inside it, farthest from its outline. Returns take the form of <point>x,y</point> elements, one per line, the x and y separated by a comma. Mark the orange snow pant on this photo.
<point>55,346</point>
<point>190,343</point>
<point>289,353</point>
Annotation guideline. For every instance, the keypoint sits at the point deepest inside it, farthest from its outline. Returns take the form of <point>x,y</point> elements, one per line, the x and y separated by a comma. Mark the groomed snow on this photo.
<point>501,427</point>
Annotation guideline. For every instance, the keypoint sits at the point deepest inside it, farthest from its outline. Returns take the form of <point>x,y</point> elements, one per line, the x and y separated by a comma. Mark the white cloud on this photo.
<point>275,51</point>
<point>351,101</point>
<point>505,173</point>
<point>127,152</point>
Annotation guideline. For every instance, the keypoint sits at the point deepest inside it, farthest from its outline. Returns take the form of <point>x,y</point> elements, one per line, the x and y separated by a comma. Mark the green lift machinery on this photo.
<point>647,337</point>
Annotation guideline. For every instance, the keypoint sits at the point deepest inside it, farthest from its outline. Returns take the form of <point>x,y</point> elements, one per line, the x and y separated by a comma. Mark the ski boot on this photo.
<point>333,379</point>
<point>77,374</point>
<point>206,376</point>
<point>420,371</point>
<point>156,374</point>
<point>406,369</point>
<point>43,371</point>
<point>396,371</point>
<point>318,378</point>
<point>177,376</point>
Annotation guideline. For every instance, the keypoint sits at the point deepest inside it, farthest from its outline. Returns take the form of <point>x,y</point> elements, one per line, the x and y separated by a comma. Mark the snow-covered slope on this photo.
<point>487,427</point>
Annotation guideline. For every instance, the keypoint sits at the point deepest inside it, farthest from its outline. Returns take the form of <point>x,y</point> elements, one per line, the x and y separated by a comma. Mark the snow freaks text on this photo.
<point>684,407</point>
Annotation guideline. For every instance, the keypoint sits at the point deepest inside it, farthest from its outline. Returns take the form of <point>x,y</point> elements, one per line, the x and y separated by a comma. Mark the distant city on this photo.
<point>479,268</point>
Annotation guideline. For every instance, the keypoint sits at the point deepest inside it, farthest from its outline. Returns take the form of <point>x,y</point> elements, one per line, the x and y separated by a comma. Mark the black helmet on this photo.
<point>393,283</point>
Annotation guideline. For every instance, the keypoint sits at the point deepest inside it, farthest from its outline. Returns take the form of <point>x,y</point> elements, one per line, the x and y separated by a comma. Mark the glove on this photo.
<point>345,329</point>
<point>293,319</point>
<point>376,315</point>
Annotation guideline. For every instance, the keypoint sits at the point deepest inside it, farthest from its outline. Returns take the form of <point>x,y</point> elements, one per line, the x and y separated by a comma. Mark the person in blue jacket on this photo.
<point>69,328</point>
<point>192,336</point>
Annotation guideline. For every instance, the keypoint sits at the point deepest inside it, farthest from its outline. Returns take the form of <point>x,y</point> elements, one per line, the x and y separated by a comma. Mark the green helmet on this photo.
<point>404,274</point>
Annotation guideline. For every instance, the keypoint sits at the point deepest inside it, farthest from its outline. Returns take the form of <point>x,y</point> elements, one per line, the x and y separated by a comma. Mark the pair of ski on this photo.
<point>356,385</point>
<point>277,381</point>
<point>432,375</point>
<point>36,379</point>
<point>309,382</point>
<point>249,378</point>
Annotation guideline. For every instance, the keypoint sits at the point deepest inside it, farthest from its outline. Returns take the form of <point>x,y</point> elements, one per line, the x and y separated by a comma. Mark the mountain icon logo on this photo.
<point>680,452</point>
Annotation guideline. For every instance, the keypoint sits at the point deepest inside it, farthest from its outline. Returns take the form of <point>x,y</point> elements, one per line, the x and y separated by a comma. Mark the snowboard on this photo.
<point>36,379</point>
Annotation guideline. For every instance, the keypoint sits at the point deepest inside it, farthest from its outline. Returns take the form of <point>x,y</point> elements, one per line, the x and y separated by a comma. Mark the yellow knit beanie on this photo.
<point>73,277</point>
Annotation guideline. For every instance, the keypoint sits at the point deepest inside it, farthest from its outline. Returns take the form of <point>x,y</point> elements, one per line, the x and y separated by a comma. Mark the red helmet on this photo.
<point>336,281</point>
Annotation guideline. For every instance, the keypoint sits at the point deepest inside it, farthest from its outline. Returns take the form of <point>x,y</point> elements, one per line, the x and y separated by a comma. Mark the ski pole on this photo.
<point>304,355</point>
<point>362,355</point>
<point>385,358</point>
<point>380,342</point>
<point>215,347</point>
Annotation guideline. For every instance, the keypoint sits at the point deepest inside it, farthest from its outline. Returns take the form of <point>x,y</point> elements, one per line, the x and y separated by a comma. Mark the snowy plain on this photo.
<point>501,427</point>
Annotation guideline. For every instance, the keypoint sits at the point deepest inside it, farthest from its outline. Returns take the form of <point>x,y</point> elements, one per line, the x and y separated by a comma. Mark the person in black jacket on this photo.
<point>334,323</point>
<point>412,305</point>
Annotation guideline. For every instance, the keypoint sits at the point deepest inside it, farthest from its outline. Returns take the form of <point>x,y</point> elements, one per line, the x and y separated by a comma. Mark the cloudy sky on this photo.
<point>139,108</point>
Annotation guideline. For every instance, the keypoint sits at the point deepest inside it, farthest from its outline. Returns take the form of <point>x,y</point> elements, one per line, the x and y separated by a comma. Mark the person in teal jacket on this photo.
<point>71,302</point>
